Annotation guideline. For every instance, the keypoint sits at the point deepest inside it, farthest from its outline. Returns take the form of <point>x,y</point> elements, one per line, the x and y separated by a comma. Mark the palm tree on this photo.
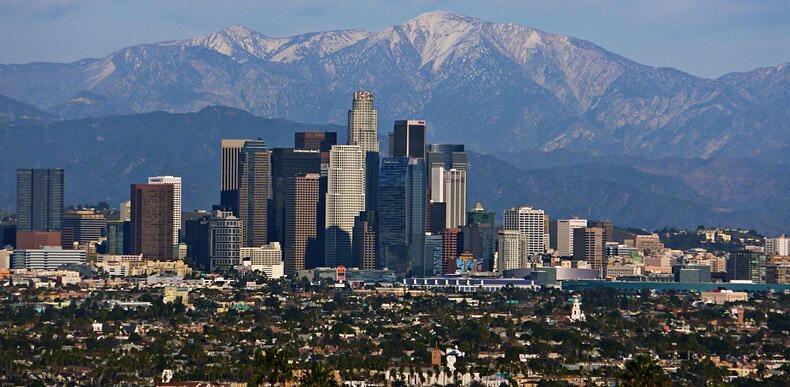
<point>318,375</point>
<point>271,366</point>
<point>642,371</point>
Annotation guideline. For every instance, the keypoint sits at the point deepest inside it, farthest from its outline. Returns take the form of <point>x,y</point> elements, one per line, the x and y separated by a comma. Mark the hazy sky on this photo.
<point>706,38</point>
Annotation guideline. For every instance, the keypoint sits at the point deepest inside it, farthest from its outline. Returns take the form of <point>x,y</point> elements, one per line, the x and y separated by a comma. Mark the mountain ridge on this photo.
<point>498,87</point>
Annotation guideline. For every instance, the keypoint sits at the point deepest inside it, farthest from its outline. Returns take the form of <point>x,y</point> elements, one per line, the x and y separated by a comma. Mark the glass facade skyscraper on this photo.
<point>39,199</point>
<point>392,213</point>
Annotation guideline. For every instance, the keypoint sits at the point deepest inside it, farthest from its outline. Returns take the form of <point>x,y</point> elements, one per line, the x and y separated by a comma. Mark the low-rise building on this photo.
<point>721,297</point>
<point>46,258</point>
<point>173,293</point>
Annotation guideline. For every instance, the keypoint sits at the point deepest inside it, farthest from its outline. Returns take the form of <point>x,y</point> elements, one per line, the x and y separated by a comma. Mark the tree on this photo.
<point>271,366</point>
<point>318,375</point>
<point>642,371</point>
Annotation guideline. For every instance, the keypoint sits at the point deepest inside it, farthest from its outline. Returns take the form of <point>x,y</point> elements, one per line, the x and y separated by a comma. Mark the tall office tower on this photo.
<point>125,211</point>
<point>287,163</point>
<point>392,214</point>
<point>345,199</point>
<point>530,222</point>
<point>511,246</point>
<point>432,256</point>
<point>318,141</point>
<point>363,122</point>
<point>255,184</point>
<point>437,217</point>
<point>588,246</point>
<point>224,241</point>
<point>480,235</point>
<point>176,183</point>
<point>363,132</point>
<point>118,237</point>
<point>408,139</point>
<point>565,229</point>
<point>608,229</point>
<point>455,197</point>
<point>300,239</point>
<point>452,241</point>
<point>39,199</point>
<point>746,265</point>
<point>82,227</point>
<point>415,212</point>
<point>152,221</point>
<point>229,171</point>
<point>364,242</point>
<point>196,238</point>
<point>448,156</point>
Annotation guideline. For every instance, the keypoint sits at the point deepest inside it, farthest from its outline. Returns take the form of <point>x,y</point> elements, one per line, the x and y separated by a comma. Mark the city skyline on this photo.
<point>429,198</point>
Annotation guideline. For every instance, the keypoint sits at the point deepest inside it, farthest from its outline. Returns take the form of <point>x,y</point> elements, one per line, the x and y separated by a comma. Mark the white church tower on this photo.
<point>576,311</point>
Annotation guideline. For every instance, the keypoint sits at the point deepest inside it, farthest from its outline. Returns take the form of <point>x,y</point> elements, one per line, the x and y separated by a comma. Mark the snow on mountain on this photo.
<point>239,42</point>
<point>498,87</point>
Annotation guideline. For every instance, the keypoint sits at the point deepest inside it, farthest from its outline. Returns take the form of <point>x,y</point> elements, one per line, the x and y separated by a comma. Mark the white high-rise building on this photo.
<point>345,199</point>
<point>437,184</point>
<point>778,246</point>
<point>530,223</point>
<point>565,229</point>
<point>363,122</point>
<point>455,197</point>
<point>449,186</point>
<point>511,247</point>
<point>176,183</point>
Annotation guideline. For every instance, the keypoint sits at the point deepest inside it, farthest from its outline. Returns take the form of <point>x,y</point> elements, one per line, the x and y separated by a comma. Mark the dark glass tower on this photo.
<point>409,139</point>
<point>318,141</point>
<point>39,199</point>
<point>392,210</point>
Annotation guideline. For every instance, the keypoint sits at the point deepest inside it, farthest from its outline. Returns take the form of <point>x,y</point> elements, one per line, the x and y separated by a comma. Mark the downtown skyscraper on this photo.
<point>175,181</point>
<point>530,222</point>
<point>345,199</point>
<point>363,122</point>
<point>229,174</point>
<point>392,214</point>
<point>363,132</point>
<point>255,189</point>
<point>152,221</point>
<point>300,231</point>
<point>39,199</point>
<point>408,139</point>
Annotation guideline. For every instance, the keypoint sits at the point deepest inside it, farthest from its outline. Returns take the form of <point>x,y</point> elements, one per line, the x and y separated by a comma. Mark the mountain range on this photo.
<point>551,120</point>
<point>496,87</point>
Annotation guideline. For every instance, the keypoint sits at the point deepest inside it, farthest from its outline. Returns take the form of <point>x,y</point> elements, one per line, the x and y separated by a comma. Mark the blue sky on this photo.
<point>705,38</point>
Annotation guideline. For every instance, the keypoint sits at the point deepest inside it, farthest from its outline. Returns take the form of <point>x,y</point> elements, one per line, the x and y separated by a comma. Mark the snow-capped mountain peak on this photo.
<point>436,35</point>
